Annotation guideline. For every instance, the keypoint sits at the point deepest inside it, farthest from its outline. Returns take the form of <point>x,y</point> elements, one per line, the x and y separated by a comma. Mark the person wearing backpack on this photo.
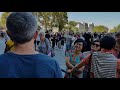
<point>95,47</point>
<point>102,64</point>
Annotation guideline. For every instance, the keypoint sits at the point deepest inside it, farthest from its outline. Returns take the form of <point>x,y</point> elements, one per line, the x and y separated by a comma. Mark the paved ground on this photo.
<point>60,57</point>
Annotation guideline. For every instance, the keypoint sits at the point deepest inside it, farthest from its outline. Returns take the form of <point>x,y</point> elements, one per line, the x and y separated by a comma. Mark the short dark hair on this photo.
<point>84,44</point>
<point>79,40</point>
<point>21,26</point>
<point>97,40</point>
<point>107,42</point>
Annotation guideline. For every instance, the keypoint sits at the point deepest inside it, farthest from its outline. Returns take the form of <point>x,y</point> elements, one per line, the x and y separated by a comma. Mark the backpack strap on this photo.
<point>89,66</point>
<point>8,49</point>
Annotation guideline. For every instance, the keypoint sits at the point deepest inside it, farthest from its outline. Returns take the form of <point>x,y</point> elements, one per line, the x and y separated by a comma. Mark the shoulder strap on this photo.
<point>8,48</point>
<point>89,65</point>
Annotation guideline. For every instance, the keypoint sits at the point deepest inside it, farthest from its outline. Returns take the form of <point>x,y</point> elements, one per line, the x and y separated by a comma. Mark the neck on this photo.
<point>27,48</point>
<point>77,52</point>
<point>42,39</point>
<point>105,50</point>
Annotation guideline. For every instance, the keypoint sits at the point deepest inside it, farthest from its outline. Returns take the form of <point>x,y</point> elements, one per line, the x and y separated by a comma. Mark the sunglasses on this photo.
<point>97,45</point>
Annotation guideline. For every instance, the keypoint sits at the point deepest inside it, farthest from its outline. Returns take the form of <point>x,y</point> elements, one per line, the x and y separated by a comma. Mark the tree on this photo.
<point>117,28</point>
<point>51,19</point>
<point>72,26</point>
<point>113,30</point>
<point>60,19</point>
<point>3,19</point>
<point>100,29</point>
<point>72,23</point>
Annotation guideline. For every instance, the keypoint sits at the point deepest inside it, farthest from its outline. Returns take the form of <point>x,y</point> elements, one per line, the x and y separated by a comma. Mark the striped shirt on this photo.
<point>106,66</point>
<point>103,65</point>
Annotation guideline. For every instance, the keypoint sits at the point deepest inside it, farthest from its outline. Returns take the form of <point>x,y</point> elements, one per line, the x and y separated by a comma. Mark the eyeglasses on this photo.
<point>97,45</point>
<point>78,45</point>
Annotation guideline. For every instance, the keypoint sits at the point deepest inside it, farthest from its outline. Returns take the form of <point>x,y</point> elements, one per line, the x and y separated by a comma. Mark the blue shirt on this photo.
<point>28,66</point>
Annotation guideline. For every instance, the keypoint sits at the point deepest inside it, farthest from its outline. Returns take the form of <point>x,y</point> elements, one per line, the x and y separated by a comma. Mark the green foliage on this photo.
<point>53,19</point>
<point>72,26</point>
<point>113,30</point>
<point>100,29</point>
<point>3,19</point>
<point>72,23</point>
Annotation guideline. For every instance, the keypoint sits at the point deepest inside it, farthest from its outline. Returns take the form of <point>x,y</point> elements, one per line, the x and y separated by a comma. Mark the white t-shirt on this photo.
<point>73,38</point>
<point>38,38</point>
<point>2,45</point>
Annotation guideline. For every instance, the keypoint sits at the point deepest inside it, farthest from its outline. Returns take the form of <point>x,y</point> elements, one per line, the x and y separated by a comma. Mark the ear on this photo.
<point>8,33</point>
<point>35,35</point>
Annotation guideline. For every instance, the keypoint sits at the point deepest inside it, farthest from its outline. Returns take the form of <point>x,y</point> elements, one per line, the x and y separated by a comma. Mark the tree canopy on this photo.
<point>3,19</point>
<point>100,28</point>
<point>52,19</point>
<point>72,26</point>
<point>115,29</point>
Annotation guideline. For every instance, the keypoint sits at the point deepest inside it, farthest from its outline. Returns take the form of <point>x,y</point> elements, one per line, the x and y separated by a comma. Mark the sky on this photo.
<point>108,19</point>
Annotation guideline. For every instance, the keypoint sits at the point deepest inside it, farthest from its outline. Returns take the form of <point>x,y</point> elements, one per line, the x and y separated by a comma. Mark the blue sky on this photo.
<point>109,19</point>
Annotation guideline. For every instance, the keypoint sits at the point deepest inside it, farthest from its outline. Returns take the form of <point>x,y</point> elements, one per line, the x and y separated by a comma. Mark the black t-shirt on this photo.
<point>47,36</point>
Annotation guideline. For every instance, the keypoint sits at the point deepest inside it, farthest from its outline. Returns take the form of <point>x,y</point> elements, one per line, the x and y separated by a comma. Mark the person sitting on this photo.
<point>24,61</point>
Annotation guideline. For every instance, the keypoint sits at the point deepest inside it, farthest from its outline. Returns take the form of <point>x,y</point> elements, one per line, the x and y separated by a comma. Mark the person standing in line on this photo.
<point>62,41</point>
<point>44,45</point>
<point>53,41</point>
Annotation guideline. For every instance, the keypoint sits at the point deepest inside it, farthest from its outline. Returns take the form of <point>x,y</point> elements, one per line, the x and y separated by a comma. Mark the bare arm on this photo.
<point>68,64</point>
<point>84,62</point>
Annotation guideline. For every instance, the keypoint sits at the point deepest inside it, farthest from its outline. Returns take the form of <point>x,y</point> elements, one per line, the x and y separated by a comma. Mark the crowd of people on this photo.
<point>26,51</point>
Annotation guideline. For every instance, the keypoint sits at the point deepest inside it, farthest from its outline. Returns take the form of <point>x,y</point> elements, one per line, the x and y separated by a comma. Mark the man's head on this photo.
<point>107,42</point>
<point>21,27</point>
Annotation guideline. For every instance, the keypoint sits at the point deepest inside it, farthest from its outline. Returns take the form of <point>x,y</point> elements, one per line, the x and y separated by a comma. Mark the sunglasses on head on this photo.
<point>97,45</point>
